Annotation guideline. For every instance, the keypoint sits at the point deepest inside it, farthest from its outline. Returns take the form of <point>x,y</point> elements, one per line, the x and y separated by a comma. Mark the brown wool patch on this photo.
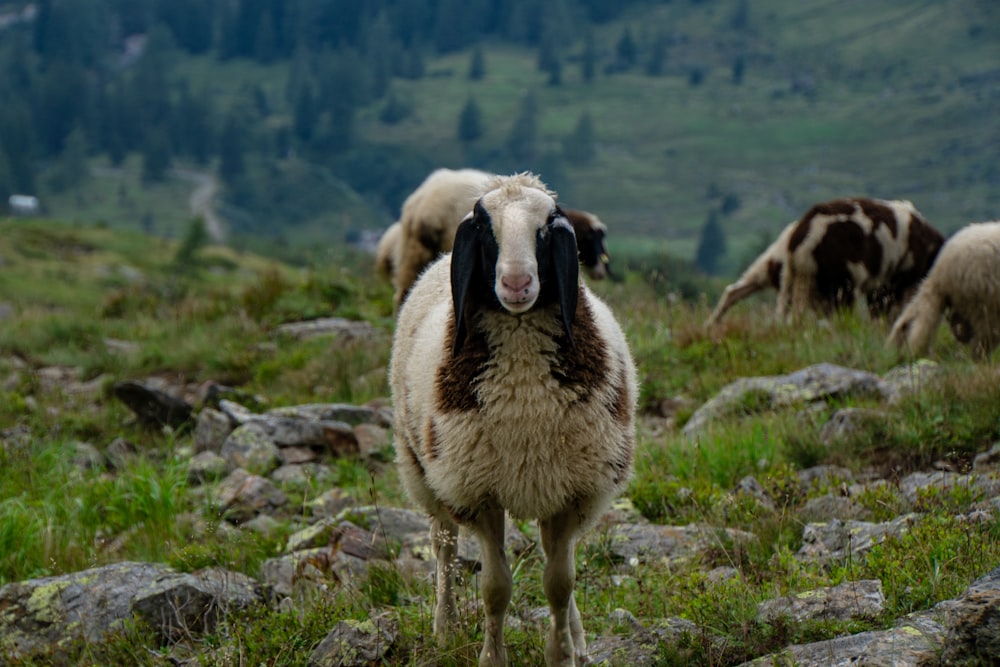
<point>774,273</point>
<point>585,367</point>
<point>411,454</point>
<point>458,379</point>
<point>431,445</point>
<point>620,407</point>
<point>880,214</point>
<point>836,208</point>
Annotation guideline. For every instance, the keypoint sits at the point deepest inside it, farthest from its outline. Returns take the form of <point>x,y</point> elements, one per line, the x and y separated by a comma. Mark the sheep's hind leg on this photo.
<point>566,645</point>
<point>444,541</point>
<point>495,586</point>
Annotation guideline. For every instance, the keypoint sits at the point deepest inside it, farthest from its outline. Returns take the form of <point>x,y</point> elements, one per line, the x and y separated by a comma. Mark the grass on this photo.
<point>216,320</point>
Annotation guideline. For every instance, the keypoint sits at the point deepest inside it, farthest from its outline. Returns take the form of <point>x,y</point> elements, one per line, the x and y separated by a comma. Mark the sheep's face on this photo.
<point>514,251</point>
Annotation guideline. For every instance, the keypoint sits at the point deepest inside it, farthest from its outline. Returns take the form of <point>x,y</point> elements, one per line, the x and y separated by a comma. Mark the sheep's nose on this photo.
<point>516,283</point>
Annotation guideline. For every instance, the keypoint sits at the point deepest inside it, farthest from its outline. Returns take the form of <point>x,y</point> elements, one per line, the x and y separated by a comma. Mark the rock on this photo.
<point>354,643</point>
<point>153,407</point>
<point>206,467</point>
<point>847,422</point>
<point>634,543</point>
<point>250,447</point>
<point>120,452</point>
<point>211,430</point>
<point>328,326</point>
<point>987,460</point>
<point>826,508</point>
<point>836,539</point>
<point>184,604</point>
<point>43,617</point>
<point>87,457</point>
<point>851,600</point>
<point>818,382</point>
<point>904,380</point>
<point>241,496</point>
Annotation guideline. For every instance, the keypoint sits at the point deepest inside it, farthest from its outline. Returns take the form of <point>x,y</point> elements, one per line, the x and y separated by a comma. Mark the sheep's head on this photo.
<point>591,241</point>
<point>515,250</point>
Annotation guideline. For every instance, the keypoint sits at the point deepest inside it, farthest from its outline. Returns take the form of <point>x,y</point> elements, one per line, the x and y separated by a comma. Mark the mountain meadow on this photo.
<point>194,341</point>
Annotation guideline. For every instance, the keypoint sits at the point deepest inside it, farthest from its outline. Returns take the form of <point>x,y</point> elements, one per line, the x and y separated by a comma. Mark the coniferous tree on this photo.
<point>626,49</point>
<point>306,114</point>
<point>588,61</point>
<point>70,168</point>
<point>232,148</point>
<point>470,123</point>
<point>522,141</point>
<point>657,56</point>
<point>548,62</point>
<point>739,65</point>
<point>579,147</point>
<point>477,64</point>
<point>155,156</point>
<point>711,244</point>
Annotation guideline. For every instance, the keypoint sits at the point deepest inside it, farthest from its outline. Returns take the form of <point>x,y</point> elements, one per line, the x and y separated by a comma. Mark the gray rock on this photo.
<point>634,543</point>
<point>904,380</point>
<point>826,508</point>
<point>328,326</point>
<point>250,447</point>
<point>834,540</point>
<point>818,382</point>
<point>847,422</point>
<point>851,600</point>
<point>241,496</point>
<point>354,643</point>
<point>211,430</point>
<point>41,617</point>
<point>206,467</point>
<point>184,604</point>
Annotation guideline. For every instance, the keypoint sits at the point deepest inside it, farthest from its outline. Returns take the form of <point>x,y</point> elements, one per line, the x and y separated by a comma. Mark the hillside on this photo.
<point>836,470</point>
<point>751,110</point>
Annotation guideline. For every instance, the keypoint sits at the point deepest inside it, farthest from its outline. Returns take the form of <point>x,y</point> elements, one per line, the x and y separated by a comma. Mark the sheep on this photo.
<point>385,252</point>
<point>839,250</point>
<point>964,286</point>
<point>513,390</point>
<point>432,212</point>
<point>429,218</point>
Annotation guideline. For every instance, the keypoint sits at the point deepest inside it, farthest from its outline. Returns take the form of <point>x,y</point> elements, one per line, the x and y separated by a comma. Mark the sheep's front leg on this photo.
<point>566,645</point>
<point>444,542</point>
<point>495,586</point>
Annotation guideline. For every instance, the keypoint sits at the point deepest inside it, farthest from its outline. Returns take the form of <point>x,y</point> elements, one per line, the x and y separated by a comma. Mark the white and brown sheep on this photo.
<point>838,251</point>
<point>430,215</point>
<point>513,390</point>
<point>962,286</point>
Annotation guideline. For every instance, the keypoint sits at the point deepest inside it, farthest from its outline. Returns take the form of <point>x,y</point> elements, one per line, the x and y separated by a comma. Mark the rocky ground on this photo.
<point>242,460</point>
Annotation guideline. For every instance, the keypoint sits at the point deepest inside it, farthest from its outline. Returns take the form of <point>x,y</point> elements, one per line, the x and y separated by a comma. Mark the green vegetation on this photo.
<point>317,133</point>
<point>117,305</point>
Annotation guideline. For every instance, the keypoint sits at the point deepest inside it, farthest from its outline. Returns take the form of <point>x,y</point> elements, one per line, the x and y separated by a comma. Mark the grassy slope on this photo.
<point>899,107</point>
<point>214,321</point>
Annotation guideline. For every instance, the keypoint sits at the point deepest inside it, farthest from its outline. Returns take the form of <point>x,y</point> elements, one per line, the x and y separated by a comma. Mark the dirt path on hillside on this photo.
<point>202,201</point>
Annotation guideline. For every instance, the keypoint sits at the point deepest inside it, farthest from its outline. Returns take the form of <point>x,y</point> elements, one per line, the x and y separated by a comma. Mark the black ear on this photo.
<point>466,272</point>
<point>566,271</point>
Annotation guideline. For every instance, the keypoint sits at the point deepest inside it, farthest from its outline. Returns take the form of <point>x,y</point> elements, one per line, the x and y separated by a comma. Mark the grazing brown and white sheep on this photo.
<point>838,251</point>
<point>431,213</point>
<point>513,390</point>
<point>964,287</point>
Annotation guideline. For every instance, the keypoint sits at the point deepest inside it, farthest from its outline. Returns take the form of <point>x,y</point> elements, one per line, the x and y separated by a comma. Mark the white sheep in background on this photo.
<point>429,218</point>
<point>513,389</point>
<point>385,252</point>
<point>430,215</point>
<point>964,286</point>
<point>838,251</point>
